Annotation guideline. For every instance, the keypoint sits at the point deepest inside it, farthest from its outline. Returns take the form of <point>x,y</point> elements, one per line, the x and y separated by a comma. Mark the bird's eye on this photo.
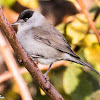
<point>25,19</point>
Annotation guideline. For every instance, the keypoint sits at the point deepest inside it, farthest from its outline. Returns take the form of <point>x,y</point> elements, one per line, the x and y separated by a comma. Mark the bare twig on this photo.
<point>37,75</point>
<point>56,64</point>
<point>95,17</point>
<point>13,68</point>
<point>92,24</point>
<point>7,75</point>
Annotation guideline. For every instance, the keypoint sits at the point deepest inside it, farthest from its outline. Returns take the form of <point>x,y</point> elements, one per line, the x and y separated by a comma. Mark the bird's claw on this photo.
<point>46,76</point>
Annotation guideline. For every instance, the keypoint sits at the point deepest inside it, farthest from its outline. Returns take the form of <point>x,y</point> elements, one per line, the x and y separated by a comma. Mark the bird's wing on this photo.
<point>49,35</point>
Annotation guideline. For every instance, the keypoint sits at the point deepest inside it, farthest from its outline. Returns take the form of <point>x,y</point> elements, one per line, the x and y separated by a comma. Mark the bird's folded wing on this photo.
<point>51,36</point>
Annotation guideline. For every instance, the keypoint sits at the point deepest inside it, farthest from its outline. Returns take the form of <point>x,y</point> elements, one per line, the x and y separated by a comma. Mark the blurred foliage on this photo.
<point>73,81</point>
<point>77,29</point>
<point>97,23</point>
<point>7,3</point>
<point>98,2</point>
<point>29,3</point>
<point>76,83</point>
<point>95,95</point>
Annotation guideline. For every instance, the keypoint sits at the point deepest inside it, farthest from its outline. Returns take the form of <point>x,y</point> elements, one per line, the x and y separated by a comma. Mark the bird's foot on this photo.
<point>45,74</point>
<point>48,72</point>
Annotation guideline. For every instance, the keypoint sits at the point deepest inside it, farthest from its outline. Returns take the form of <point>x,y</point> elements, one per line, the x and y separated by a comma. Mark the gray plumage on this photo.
<point>42,41</point>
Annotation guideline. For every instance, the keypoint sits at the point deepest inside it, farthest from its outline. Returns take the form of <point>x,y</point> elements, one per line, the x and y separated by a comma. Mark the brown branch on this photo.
<point>92,24</point>
<point>7,75</point>
<point>37,75</point>
<point>13,68</point>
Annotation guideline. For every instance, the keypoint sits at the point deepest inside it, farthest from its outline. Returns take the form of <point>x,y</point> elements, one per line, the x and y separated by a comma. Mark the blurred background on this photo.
<point>73,81</point>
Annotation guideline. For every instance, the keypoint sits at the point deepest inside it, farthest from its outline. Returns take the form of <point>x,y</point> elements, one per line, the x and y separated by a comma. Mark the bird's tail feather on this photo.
<point>79,61</point>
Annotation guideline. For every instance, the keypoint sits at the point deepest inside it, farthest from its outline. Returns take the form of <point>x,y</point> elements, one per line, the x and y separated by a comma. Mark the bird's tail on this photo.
<point>79,61</point>
<point>85,64</point>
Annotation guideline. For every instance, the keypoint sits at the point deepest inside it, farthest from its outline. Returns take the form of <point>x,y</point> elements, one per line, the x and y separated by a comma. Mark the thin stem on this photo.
<point>7,75</point>
<point>92,24</point>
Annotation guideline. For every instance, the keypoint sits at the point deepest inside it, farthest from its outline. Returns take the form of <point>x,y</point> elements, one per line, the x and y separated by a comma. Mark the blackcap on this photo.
<point>42,41</point>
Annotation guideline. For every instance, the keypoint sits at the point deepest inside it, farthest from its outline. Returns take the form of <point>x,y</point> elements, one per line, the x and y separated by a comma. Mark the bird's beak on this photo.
<point>19,21</point>
<point>16,23</point>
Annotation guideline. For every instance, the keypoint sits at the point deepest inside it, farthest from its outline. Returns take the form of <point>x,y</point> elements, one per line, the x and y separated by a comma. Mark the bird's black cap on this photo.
<point>26,14</point>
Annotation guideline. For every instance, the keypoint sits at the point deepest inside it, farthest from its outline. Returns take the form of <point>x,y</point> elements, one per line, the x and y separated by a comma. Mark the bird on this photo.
<point>42,41</point>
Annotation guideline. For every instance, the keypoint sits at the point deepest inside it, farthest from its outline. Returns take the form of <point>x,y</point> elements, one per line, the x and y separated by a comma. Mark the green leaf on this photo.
<point>76,83</point>
<point>60,27</point>
<point>27,77</point>
<point>7,3</point>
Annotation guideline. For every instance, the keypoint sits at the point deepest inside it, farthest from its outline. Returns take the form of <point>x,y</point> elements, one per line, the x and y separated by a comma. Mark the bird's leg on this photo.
<point>48,70</point>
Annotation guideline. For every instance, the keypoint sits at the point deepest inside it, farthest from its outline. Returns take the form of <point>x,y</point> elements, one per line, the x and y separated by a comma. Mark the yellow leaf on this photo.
<point>42,92</point>
<point>29,3</point>
<point>92,55</point>
<point>90,39</point>
<point>77,29</point>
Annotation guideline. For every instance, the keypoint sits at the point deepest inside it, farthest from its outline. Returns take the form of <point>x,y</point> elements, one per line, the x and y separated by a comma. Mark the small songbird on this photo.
<point>42,41</point>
